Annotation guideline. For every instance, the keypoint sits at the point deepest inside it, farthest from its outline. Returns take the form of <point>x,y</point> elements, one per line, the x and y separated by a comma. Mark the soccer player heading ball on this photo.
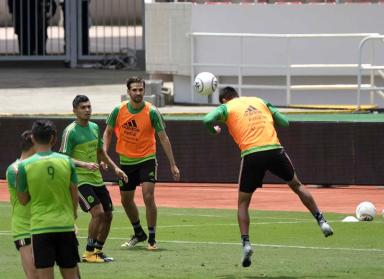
<point>250,122</point>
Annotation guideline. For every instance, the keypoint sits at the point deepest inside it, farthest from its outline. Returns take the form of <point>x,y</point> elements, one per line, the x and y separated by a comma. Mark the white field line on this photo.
<point>253,244</point>
<point>261,245</point>
<point>210,225</point>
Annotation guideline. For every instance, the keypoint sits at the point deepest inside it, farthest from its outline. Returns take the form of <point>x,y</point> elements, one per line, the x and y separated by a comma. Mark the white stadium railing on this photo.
<point>288,67</point>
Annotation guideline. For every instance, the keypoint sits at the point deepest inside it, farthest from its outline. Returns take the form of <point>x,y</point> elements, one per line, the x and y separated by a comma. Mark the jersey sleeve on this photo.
<point>73,171</point>
<point>99,138</point>
<point>111,119</point>
<point>279,118</point>
<point>157,120</point>
<point>11,176</point>
<point>67,142</point>
<point>220,114</point>
<point>21,179</point>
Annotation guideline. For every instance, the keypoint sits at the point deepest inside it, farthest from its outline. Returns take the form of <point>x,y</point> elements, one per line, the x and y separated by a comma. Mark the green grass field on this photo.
<point>204,243</point>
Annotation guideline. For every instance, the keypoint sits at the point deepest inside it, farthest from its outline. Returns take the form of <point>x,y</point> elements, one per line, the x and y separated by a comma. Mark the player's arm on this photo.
<point>104,157</point>
<point>107,137</point>
<point>217,115</point>
<point>167,147</point>
<point>109,129</point>
<point>279,118</point>
<point>22,186</point>
<point>73,189</point>
<point>85,165</point>
<point>157,122</point>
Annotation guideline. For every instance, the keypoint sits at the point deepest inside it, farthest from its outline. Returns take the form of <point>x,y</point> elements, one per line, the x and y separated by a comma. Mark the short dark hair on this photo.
<point>79,99</point>
<point>43,130</point>
<point>26,140</point>
<point>135,80</point>
<point>227,93</point>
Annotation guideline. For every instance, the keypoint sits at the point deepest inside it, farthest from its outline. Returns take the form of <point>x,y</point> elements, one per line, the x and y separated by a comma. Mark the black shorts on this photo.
<point>254,166</point>
<point>22,242</point>
<point>139,173</point>
<point>89,196</point>
<point>60,247</point>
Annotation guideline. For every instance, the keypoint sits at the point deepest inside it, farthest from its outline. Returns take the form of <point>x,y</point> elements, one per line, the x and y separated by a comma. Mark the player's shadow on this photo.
<point>144,248</point>
<point>271,277</point>
<point>257,277</point>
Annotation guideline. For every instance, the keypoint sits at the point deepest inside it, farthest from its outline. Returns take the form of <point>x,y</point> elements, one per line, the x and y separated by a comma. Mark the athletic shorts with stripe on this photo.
<point>254,166</point>
<point>60,247</point>
<point>139,173</point>
<point>22,242</point>
<point>89,196</point>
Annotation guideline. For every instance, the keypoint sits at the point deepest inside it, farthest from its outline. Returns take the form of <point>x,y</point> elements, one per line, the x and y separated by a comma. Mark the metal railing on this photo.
<point>288,67</point>
<point>73,31</point>
<point>373,70</point>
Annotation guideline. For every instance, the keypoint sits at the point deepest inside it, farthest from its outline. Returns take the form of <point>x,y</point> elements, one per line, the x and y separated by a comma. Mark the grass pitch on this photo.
<point>205,243</point>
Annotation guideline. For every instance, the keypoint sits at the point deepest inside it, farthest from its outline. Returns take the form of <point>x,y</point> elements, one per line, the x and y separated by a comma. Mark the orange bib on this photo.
<point>134,132</point>
<point>250,123</point>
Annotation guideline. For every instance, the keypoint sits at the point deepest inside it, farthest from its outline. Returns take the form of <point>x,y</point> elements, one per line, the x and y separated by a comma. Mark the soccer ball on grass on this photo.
<point>365,211</point>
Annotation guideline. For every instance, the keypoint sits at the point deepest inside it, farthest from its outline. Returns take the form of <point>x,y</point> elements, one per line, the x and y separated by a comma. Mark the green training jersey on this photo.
<point>21,214</point>
<point>47,177</point>
<point>82,143</point>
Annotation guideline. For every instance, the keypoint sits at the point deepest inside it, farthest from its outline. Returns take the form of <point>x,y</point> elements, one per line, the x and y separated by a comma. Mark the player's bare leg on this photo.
<point>148,191</point>
<point>128,202</point>
<point>309,202</point>
<point>27,262</point>
<point>70,273</point>
<point>244,200</point>
<point>94,227</point>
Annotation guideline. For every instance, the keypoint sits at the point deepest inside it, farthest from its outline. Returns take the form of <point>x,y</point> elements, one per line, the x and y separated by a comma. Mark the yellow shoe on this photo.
<point>103,256</point>
<point>92,257</point>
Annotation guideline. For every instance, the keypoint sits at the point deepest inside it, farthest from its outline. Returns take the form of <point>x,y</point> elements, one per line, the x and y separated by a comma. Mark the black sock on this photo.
<point>319,216</point>
<point>244,238</point>
<point>98,244</point>
<point>90,245</point>
<point>151,235</point>
<point>137,228</point>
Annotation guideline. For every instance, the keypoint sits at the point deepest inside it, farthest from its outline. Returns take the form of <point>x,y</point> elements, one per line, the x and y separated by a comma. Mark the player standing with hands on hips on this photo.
<point>250,121</point>
<point>135,123</point>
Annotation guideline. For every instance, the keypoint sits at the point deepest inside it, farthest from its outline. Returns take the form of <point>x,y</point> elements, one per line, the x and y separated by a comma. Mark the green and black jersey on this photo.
<point>47,177</point>
<point>21,214</point>
<point>82,143</point>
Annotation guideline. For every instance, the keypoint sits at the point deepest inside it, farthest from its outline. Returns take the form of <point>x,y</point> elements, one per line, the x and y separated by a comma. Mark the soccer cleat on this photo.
<point>103,256</point>
<point>325,228</point>
<point>92,257</point>
<point>247,254</point>
<point>134,240</point>
<point>152,246</point>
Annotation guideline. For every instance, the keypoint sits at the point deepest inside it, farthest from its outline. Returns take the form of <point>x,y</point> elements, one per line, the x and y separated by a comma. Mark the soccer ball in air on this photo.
<point>205,83</point>
<point>365,211</point>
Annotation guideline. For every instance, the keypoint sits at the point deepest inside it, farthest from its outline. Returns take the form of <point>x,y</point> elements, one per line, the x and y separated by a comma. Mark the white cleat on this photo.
<point>325,228</point>
<point>247,254</point>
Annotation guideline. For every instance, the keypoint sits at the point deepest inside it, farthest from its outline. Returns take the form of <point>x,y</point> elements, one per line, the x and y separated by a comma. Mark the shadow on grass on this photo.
<point>144,248</point>
<point>271,277</point>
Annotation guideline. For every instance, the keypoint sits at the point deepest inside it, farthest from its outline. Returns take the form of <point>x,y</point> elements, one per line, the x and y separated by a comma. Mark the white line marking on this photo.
<point>253,244</point>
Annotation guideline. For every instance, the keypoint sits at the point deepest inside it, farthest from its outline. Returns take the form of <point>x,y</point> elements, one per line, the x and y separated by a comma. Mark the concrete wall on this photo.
<point>168,44</point>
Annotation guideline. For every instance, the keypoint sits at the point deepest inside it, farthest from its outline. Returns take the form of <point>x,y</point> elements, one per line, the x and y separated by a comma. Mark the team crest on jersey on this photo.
<point>121,183</point>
